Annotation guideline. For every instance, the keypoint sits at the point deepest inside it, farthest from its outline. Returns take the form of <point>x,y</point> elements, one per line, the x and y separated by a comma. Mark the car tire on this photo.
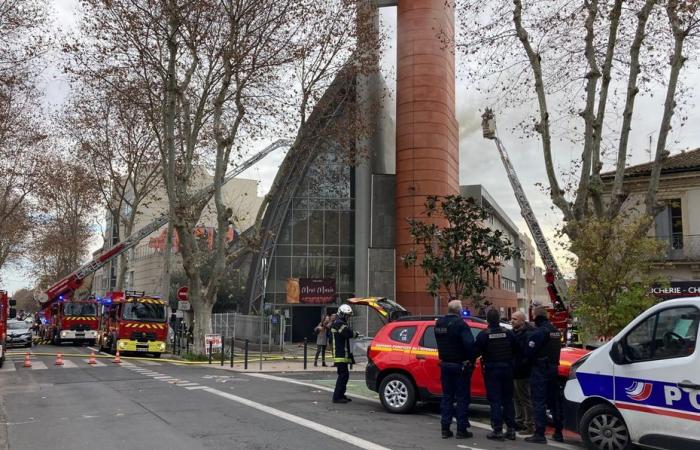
<point>397,393</point>
<point>156,355</point>
<point>603,428</point>
<point>29,345</point>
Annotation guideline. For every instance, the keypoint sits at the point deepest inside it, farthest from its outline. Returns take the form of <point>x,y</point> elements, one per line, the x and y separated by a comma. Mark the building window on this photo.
<point>507,285</point>
<point>669,224</point>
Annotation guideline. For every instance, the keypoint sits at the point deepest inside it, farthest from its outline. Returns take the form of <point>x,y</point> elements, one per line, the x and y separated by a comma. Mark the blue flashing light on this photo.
<point>60,297</point>
<point>466,313</point>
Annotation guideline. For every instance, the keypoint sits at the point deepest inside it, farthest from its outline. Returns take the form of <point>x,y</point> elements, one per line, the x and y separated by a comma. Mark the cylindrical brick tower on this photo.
<point>427,135</point>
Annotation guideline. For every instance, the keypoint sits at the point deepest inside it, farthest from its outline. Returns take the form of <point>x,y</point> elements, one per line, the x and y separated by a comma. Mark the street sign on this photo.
<point>183,306</point>
<point>183,293</point>
<point>215,340</point>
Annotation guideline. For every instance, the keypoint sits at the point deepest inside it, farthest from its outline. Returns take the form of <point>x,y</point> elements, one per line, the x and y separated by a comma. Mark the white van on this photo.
<point>642,387</point>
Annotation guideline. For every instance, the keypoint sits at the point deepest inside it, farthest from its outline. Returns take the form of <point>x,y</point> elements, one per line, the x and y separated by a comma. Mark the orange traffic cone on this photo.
<point>92,359</point>
<point>27,361</point>
<point>117,359</point>
<point>59,359</point>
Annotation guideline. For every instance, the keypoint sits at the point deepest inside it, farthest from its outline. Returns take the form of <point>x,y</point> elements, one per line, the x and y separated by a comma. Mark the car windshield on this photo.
<point>146,312</point>
<point>80,309</point>
<point>16,325</point>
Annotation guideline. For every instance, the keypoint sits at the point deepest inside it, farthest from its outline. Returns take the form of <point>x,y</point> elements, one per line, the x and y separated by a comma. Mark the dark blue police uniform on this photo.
<point>498,347</point>
<point>456,352</point>
<point>543,350</point>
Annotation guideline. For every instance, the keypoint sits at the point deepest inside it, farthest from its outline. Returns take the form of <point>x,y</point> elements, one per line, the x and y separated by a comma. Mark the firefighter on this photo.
<point>543,350</point>
<point>341,333</point>
<point>455,344</point>
<point>497,347</point>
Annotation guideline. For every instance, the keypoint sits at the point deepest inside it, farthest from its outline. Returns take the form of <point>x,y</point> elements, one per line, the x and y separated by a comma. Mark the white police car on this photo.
<point>642,387</point>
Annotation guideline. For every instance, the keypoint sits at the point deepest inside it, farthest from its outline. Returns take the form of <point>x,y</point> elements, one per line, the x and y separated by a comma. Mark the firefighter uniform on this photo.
<point>341,333</point>
<point>455,344</point>
<point>498,347</point>
<point>543,350</point>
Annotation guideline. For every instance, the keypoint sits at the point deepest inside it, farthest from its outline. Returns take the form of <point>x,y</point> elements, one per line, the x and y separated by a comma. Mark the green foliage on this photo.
<point>454,247</point>
<point>613,267</point>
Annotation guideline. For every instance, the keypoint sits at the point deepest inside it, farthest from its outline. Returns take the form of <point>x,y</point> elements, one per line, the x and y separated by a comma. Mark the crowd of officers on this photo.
<point>520,368</point>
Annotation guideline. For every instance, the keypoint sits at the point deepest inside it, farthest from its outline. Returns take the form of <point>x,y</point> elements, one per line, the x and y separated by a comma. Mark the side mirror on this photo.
<point>617,353</point>
<point>13,313</point>
<point>13,302</point>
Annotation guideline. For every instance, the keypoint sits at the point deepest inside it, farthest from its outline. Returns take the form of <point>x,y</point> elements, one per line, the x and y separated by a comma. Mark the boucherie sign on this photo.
<point>311,290</point>
<point>677,289</point>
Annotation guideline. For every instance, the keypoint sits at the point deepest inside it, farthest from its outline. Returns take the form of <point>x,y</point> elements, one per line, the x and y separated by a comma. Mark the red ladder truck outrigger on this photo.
<point>133,322</point>
<point>65,288</point>
<point>556,285</point>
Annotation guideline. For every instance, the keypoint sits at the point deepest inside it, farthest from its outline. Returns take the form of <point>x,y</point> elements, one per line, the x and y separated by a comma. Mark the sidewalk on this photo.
<point>277,366</point>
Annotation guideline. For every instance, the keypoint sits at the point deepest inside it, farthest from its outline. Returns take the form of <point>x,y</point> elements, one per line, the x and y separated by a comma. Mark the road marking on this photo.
<point>186,384</point>
<point>164,377</point>
<point>303,383</point>
<point>150,363</point>
<point>68,364</point>
<point>96,363</point>
<point>192,388</point>
<point>328,431</point>
<point>38,365</point>
<point>8,366</point>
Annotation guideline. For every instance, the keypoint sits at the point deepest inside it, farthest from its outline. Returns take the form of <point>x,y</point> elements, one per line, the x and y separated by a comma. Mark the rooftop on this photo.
<point>685,161</point>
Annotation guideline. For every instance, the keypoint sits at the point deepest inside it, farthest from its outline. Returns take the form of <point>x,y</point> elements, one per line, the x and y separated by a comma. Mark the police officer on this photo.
<point>341,333</point>
<point>455,344</point>
<point>543,350</point>
<point>497,347</point>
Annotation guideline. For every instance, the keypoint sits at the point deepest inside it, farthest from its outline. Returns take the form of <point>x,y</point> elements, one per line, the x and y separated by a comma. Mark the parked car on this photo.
<point>643,386</point>
<point>19,334</point>
<point>402,360</point>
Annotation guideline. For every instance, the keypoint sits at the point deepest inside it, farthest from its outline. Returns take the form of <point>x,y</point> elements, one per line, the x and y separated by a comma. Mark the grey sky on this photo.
<point>479,161</point>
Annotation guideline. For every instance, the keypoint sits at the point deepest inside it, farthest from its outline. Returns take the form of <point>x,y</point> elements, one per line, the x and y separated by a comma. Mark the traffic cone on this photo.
<point>59,359</point>
<point>117,359</point>
<point>92,359</point>
<point>27,361</point>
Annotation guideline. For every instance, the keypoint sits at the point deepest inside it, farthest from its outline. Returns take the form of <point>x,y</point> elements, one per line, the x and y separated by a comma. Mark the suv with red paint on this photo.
<point>402,360</point>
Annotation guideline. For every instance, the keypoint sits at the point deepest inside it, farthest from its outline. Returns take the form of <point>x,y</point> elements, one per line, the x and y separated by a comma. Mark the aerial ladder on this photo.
<point>66,286</point>
<point>556,285</point>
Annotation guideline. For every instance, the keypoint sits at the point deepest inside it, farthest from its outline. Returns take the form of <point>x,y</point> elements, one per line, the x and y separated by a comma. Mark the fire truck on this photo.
<point>70,320</point>
<point>66,287</point>
<point>5,313</point>
<point>133,322</point>
<point>556,285</point>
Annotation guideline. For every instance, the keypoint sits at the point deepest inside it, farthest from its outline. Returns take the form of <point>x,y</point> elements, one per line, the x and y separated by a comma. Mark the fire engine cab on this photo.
<point>133,322</point>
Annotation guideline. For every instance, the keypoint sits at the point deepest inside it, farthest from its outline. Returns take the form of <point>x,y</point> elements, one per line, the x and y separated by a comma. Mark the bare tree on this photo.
<point>583,65</point>
<point>23,40</point>
<point>115,140</point>
<point>212,77</point>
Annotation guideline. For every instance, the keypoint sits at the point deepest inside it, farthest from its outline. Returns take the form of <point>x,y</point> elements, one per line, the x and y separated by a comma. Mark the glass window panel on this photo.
<point>300,203</point>
<point>315,266</point>
<point>299,267</point>
<point>331,227</point>
<point>300,250</point>
<point>346,274</point>
<point>315,250</point>
<point>316,203</point>
<point>283,250</point>
<point>347,228</point>
<point>346,250</point>
<point>331,250</point>
<point>286,233</point>
<point>316,227</point>
<point>301,227</point>
<point>676,332</point>
<point>330,268</point>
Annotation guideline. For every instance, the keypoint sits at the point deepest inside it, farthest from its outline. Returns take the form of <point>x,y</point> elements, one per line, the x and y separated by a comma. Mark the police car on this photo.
<point>642,387</point>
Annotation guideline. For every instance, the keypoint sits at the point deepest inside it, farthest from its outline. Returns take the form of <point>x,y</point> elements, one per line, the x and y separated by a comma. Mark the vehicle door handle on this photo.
<point>420,356</point>
<point>688,385</point>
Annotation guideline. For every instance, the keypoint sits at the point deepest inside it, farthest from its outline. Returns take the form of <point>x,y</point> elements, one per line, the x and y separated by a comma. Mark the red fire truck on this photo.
<point>5,313</point>
<point>69,320</point>
<point>133,322</point>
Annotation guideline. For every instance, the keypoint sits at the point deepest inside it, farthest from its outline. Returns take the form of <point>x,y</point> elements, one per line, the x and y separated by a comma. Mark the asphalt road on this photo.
<point>159,405</point>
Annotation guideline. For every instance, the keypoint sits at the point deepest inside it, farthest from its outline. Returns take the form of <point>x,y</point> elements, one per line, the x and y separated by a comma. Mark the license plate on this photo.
<point>141,349</point>
<point>79,334</point>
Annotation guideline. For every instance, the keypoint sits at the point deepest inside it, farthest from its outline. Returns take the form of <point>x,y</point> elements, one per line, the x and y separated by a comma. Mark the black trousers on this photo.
<point>342,382</point>
<point>320,350</point>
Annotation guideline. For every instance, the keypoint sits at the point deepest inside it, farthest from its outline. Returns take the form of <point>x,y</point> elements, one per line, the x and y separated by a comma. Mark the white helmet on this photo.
<point>344,311</point>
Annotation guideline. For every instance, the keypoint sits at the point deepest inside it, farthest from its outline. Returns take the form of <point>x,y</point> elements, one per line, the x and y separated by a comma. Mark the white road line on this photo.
<point>303,383</point>
<point>191,388</point>
<point>186,384</point>
<point>150,363</point>
<point>68,364</point>
<point>38,365</point>
<point>328,431</point>
<point>8,366</point>
<point>164,378</point>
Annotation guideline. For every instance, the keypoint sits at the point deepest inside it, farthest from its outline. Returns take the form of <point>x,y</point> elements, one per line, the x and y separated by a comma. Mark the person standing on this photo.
<point>497,347</point>
<point>543,349</point>
<point>521,375</point>
<point>341,333</point>
<point>455,344</point>
<point>322,340</point>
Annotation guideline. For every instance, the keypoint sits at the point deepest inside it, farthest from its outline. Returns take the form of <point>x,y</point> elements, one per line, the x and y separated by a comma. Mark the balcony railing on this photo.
<point>681,247</point>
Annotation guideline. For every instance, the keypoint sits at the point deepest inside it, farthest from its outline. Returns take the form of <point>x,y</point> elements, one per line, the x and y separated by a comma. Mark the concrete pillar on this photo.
<point>427,152</point>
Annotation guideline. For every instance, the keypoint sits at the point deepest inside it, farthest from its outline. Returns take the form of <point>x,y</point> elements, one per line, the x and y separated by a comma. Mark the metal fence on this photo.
<point>681,247</point>
<point>242,327</point>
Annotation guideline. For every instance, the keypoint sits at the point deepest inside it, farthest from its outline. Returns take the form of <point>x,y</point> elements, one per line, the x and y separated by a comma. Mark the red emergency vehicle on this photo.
<point>70,320</point>
<point>133,322</point>
<point>5,313</point>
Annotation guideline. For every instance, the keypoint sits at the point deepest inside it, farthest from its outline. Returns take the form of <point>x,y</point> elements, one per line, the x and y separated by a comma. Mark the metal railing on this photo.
<point>681,247</point>
<point>242,327</point>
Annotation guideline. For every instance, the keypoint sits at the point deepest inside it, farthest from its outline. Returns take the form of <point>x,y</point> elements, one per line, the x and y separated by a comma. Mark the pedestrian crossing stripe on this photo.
<point>37,364</point>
